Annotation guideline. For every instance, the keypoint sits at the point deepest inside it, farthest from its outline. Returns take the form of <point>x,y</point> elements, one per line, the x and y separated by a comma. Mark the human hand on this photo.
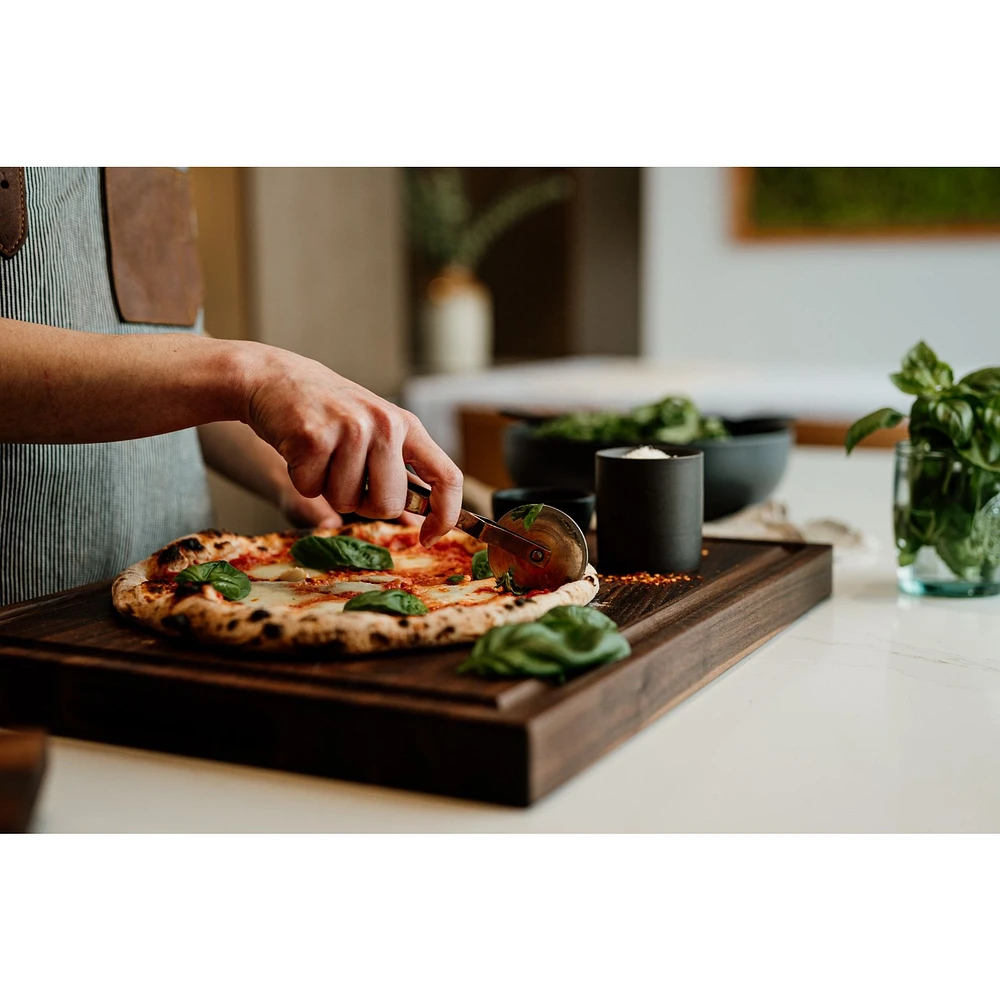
<point>336,436</point>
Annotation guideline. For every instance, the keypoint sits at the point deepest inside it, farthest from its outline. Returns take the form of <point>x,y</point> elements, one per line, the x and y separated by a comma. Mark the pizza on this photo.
<point>362,588</point>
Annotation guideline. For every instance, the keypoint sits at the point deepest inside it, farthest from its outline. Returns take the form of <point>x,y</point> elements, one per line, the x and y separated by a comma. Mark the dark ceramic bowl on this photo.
<point>741,470</point>
<point>579,504</point>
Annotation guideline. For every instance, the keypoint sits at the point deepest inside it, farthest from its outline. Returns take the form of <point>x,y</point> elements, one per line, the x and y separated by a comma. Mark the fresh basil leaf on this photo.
<point>674,420</point>
<point>712,428</point>
<point>989,418</point>
<point>226,579</point>
<point>879,420</point>
<point>953,417</point>
<point>526,514</point>
<point>909,383</point>
<point>387,602</point>
<point>340,552</point>
<point>983,453</point>
<point>481,566</point>
<point>569,616</point>
<point>985,532</point>
<point>983,382</point>
<point>923,373</point>
<point>507,584</point>
<point>553,648</point>
<point>457,578</point>
<point>919,356</point>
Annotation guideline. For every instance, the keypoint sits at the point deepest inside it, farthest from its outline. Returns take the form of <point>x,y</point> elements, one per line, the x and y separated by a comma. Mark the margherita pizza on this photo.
<point>363,588</point>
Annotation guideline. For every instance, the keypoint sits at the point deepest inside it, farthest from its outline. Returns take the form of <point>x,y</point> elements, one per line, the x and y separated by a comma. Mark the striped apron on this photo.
<point>78,513</point>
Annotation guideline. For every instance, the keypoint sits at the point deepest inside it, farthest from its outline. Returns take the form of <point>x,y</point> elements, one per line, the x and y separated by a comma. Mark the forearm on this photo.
<point>66,387</point>
<point>234,450</point>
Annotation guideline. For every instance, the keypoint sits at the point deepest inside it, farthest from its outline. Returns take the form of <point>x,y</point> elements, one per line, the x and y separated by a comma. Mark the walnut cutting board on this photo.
<point>407,720</point>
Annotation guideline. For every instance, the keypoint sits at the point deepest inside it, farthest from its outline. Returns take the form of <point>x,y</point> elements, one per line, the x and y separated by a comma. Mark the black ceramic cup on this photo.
<point>579,504</point>
<point>649,511</point>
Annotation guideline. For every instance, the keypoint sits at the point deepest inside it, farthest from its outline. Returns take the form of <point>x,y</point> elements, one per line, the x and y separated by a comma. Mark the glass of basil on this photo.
<point>946,505</point>
<point>946,513</point>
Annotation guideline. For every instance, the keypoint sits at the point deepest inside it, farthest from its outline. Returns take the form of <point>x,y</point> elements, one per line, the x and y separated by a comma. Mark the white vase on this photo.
<point>456,323</point>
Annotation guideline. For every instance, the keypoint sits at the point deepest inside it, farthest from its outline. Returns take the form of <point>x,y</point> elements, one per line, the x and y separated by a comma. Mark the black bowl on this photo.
<point>741,470</point>
<point>579,504</point>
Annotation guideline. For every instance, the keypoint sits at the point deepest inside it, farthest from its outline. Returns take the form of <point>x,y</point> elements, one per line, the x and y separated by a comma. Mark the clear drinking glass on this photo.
<point>947,524</point>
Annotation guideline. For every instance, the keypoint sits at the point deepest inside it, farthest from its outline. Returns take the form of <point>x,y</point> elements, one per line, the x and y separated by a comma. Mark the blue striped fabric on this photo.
<point>76,514</point>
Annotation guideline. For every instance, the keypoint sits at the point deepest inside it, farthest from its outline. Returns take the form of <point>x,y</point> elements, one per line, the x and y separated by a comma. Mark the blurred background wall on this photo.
<point>312,260</point>
<point>708,295</point>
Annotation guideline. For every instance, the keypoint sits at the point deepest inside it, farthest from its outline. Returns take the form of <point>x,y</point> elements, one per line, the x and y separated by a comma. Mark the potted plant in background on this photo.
<point>947,487</point>
<point>456,309</point>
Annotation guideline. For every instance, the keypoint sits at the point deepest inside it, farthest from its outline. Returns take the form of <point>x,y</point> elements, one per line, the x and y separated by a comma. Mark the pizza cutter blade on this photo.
<point>550,553</point>
<point>553,530</point>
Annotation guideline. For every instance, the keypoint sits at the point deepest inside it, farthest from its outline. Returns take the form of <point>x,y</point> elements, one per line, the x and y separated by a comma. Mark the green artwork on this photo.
<point>854,199</point>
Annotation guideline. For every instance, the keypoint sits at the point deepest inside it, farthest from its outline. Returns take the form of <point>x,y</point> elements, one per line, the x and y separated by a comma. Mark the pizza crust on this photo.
<point>207,617</point>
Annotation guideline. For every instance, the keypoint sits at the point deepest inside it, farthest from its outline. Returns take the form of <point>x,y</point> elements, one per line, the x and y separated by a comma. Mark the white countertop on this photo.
<point>875,712</point>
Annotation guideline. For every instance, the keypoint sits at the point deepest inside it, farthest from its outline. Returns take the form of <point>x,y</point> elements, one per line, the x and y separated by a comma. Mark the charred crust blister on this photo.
<point>177,623</point>
<point>273,630</point>
<point>380,638</point>
<point>168,555</point>
<point>191,544</point>
<point>519,602</point>
<point>259,615</point>
<point>233,622</point>
<point>403,622</point>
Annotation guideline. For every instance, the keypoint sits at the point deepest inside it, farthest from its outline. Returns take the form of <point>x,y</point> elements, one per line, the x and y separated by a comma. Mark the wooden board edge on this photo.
<point>642,690</point>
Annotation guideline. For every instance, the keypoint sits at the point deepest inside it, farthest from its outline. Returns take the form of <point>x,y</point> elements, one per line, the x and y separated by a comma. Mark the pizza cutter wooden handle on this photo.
<point>418,501</point>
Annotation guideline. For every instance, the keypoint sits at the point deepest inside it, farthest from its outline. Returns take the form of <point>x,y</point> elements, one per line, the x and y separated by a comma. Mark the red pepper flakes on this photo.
<point>656,579</point>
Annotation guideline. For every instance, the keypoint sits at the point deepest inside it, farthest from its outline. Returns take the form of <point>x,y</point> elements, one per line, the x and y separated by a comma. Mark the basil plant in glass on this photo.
<point>947,486</point>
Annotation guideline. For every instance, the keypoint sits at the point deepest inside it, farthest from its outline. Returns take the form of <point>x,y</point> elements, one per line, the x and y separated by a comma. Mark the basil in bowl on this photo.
<point>744,459</point>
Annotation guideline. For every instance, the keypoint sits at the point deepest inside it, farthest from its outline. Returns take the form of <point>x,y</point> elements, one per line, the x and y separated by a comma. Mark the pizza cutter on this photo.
<point>550,553</point>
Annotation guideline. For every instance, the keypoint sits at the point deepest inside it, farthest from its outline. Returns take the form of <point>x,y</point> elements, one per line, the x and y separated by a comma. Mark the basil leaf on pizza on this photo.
<point>387,602</point>
<point>226,579</point>
<point>340,552</point>
<point>457,578</point>
<point>506,583</point>
<point>559,645</point>
<point>481,566</point>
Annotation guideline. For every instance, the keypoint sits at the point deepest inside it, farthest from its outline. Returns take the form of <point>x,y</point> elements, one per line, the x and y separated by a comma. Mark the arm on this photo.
<point>63,386</point>
<point>232,449</point>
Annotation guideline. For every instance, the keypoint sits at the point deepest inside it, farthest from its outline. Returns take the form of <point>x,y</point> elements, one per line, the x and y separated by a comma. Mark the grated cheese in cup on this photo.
<point>645,451</point>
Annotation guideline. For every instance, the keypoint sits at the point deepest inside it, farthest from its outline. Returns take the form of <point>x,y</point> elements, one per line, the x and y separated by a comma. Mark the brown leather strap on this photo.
<point>13,211</point>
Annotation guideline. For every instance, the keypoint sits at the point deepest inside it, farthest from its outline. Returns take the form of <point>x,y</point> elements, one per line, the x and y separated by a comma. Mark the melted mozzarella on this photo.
<point>475,591</point>
<point>273,570</point>
<point>416,560</point>
<point>276,594</point>
<point>268,594</point>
